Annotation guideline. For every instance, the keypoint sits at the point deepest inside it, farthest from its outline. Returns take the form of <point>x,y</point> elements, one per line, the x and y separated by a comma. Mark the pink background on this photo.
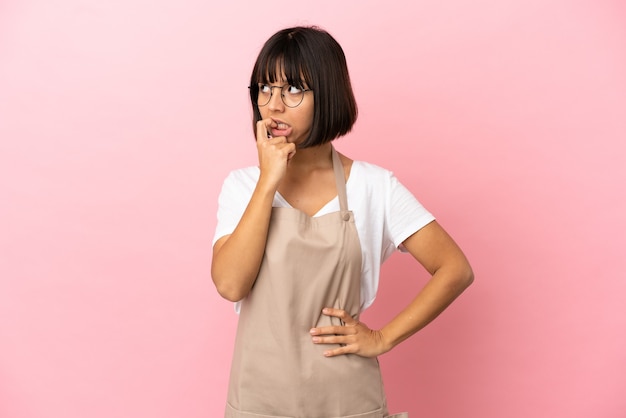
<point>120,119</point>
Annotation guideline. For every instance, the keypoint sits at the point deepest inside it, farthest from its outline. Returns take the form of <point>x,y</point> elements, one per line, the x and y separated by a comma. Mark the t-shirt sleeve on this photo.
<point>405,214</point>
<point>232,203</point>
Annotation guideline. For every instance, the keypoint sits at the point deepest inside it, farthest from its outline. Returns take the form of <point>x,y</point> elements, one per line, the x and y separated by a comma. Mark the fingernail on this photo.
<point>313,331</point>
<point>316,339</point>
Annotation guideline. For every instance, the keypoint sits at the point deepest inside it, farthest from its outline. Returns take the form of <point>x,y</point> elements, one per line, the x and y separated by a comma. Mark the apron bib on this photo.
<point>309,263</point>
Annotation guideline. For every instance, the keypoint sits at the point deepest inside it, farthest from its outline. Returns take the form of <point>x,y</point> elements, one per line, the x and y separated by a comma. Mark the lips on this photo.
<point>281,129</point>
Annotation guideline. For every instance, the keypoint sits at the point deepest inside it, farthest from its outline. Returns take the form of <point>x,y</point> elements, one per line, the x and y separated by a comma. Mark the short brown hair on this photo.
<point>309,57</point>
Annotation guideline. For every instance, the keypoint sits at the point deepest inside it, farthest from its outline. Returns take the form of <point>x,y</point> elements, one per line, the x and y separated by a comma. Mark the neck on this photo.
<point>312,158</point>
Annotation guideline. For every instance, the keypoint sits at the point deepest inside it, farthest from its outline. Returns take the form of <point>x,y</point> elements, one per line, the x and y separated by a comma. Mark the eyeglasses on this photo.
<point>292,96</point>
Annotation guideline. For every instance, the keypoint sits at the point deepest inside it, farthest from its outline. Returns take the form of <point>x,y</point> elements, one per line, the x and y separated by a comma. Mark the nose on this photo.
<point>276,100</point>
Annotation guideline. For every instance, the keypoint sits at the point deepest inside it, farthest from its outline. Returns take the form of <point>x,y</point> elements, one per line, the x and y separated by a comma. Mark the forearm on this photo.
<point>356,338</point>
<point>442,289</point>
<point>237,260</point>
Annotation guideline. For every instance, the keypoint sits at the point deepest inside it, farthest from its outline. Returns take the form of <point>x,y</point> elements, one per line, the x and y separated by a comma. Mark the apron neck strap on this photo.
<point>340,179</point>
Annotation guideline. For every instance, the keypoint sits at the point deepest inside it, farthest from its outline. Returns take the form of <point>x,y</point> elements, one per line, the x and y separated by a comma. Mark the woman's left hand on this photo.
<point>355,337</point>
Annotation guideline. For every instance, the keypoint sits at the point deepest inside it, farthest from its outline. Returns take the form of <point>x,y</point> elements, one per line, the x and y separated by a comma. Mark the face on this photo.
<point>294,123</point>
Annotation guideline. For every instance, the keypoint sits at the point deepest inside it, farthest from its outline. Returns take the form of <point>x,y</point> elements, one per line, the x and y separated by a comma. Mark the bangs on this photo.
<point>284,63</point>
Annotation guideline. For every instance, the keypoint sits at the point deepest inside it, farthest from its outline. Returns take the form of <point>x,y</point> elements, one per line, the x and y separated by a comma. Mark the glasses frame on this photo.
<point>256,90</point>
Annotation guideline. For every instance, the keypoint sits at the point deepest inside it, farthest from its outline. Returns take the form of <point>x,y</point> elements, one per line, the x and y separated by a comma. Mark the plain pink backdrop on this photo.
<point>120,119</point>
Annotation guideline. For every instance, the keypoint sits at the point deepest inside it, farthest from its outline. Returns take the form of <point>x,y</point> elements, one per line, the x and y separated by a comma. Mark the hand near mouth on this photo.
<point>274,151</point>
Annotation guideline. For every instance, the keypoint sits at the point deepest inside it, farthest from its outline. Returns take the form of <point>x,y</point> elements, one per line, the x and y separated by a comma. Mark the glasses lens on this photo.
<point>264,93</point>
<point>292,96</point>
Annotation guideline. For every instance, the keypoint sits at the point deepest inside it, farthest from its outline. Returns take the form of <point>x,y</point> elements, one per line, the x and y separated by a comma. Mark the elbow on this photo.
<point>459,277</point>
<point>466,277</point>
<point>228,292</point>
<point>227,288</point>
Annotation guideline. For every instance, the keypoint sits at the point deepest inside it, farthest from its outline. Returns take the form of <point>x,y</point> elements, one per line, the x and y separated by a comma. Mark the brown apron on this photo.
<point>309,263</point>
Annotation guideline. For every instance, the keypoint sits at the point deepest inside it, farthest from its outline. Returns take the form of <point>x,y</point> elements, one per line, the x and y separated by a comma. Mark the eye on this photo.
<point>293,90</point>
<point>264,88</point>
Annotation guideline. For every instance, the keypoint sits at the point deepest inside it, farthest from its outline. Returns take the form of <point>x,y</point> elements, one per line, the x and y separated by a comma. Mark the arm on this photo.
<point>451,275</point>
<point>237,257</point>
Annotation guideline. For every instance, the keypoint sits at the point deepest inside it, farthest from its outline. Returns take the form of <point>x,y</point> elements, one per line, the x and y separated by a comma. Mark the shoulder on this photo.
<point>379,186</point>
<point>239,184</point>
<point>242,177</point>
<point>362,170</point>
<point>370,176</point>
<point>370,169</point>
<point>244,174</point>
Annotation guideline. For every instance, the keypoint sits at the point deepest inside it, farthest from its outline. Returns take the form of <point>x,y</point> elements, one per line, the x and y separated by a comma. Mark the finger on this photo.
<point>275,140</point>
<point>292,151</point>
<point>339,351</point>
<point>334,339</point>
<point>333,330</point>
<point>262,131</point>
<point>341,314</point>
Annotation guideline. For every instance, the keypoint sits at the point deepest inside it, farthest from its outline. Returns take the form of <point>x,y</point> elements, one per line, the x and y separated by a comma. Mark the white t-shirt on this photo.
<point>385,214</point>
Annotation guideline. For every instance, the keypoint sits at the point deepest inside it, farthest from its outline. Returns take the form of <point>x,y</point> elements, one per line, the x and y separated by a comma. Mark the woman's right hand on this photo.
<point>274,153</point>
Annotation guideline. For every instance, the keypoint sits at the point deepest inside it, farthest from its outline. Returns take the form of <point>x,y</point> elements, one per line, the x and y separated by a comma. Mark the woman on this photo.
<point>300,240</point>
